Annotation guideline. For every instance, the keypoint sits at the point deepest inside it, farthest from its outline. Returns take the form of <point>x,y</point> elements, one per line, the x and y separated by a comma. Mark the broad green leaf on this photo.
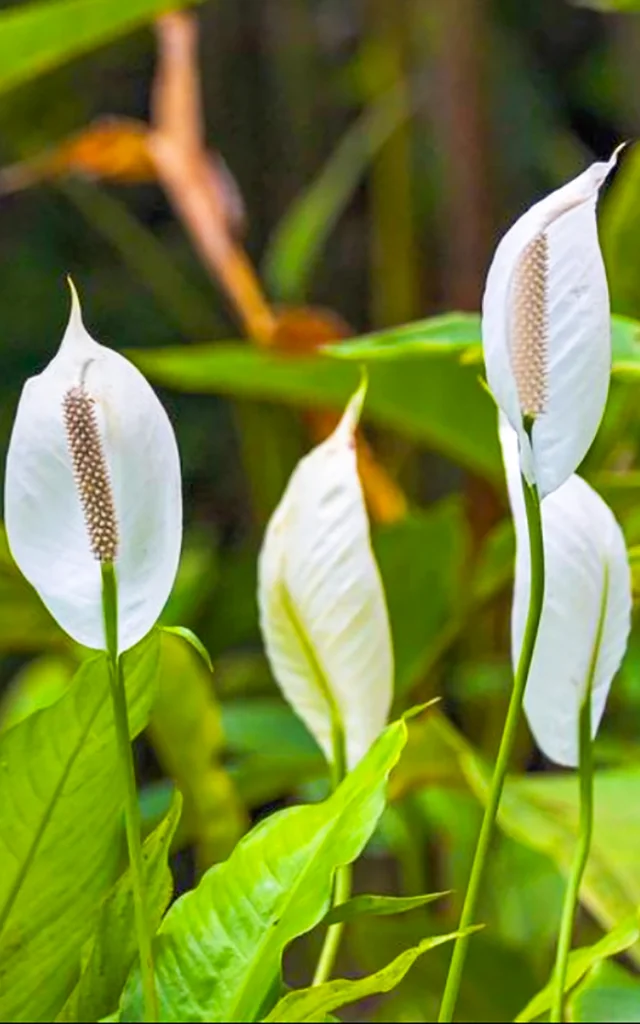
<point>298,240</point>
<point>35,37</point>
<point>186,731</point>
<point>312,1004</point>
<point>61,833</point>
<point>112,948</point>
<point>434,400</point>
<point>608,995</point>
<point>376,906</point>
<point>218,951</point>
<point>541,811</point>
<point>580,960</point>
<point>40,683</point>
<point>457,334</point>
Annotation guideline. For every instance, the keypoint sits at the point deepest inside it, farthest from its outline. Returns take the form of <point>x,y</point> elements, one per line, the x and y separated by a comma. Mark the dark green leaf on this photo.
<point>300,236</point>
<point>421,560</point>
<point>413,394</point>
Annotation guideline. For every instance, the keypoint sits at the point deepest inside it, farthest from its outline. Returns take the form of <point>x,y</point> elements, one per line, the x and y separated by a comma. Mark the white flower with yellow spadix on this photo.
<point>586,614</point>
<point>546,329</point>
<point>322,606</point>
<point>93,478</point>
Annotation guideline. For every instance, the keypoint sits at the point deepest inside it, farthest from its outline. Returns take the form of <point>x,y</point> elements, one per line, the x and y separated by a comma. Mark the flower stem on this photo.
<point>536,595</point>
<point>342,885</point>
<point>581,855</point>
<point>131,808</point>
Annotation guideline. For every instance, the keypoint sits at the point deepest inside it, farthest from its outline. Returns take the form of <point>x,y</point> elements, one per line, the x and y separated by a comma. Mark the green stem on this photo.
<point>581,855</point>
<point>342,886</point>
<point>131,807</point>
<point>536,595</point>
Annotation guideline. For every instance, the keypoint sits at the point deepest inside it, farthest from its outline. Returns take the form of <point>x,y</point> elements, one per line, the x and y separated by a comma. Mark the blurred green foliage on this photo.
<point>380,149</point>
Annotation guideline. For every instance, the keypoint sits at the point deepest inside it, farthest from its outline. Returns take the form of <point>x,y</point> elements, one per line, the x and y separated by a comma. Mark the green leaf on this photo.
<point>580,960</point>
<point>219,949</point>
<point>273,751</point>
<point>458,334</point>
<point>298,240</point>
<point>40,683</point>
<point>376,906</point>
<point>186,731</point>
<point>608,995</point>
<point>190,637</point>
<point>625,343</point>
<point>113,946</point>
<point>618,226</point>
<point>542,811</point>
<point>36,37</point>
<point>312,1004</point>
<point>610,5</point>
<point>61,834</point>
<point>423,593</point>
<point>413,394</point>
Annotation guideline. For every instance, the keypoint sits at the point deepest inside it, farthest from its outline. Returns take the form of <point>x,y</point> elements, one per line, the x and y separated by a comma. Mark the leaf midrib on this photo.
<point>239,1011</point>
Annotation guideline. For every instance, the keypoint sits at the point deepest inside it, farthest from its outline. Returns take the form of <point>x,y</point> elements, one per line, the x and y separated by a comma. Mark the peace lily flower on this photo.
<point>322,606</point>
<point>587,606</point>
<point>93,478</point>
<point>546,329</point>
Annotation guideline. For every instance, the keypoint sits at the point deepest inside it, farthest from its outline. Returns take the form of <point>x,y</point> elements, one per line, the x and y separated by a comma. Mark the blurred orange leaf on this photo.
<point>116,149</point>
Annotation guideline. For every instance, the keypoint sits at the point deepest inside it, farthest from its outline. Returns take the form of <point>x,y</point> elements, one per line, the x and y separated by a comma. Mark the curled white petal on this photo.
<point>322,608</point>
<point>46,526</point>
<point>587,586</point>
<point>546,328</point>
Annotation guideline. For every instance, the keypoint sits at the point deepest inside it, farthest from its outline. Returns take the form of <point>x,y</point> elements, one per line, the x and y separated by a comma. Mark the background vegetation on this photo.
<point>363,158</point>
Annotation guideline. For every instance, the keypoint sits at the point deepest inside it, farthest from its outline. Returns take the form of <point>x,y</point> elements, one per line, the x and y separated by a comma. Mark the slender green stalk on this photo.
<point>536,595</point>
<point>585,831</point>
<point>342,885</point>
<point>131,808</point>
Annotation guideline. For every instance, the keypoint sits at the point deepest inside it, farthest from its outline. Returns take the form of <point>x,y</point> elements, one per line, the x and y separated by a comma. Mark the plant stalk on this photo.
<point>536,596</point>
<point>342,884</point>
<point>131,807</point>
<point>585,831</point>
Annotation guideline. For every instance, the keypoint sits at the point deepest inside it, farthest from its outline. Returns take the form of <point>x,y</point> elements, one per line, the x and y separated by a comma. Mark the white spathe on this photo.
<point>322,606</point>
<point>577,332</point>
<point>45,523</point>
<point>587,577</point>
